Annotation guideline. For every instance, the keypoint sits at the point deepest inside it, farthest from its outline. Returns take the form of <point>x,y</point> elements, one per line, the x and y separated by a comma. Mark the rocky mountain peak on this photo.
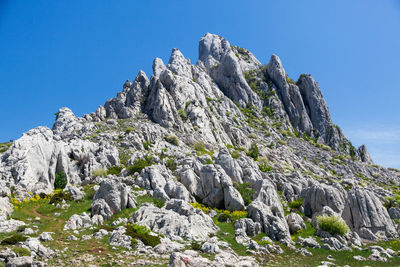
<point>226,141</point>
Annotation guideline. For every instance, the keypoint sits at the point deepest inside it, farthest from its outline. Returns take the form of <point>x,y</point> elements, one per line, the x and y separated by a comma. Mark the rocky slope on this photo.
<point>243,143</point>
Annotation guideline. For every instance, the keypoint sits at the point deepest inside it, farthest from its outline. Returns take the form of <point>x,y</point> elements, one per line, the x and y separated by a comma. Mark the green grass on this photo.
<point>332,224</point>
<point>4,147</point>
<point>245,191</point>
<point>227,234</point>
<point>201,149</point>
<point>139,164</point>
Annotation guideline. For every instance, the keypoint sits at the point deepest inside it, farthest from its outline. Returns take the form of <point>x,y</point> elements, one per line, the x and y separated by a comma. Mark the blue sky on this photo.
<point>79,53</point>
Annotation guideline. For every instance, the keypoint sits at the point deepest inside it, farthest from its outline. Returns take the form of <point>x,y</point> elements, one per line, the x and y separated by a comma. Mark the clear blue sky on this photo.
<point>79,53</point>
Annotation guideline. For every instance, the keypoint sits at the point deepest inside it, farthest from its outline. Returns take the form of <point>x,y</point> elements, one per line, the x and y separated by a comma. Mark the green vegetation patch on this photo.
<point>332,224</point>
<point>172,139</point>
<point>61,180</point>
<point>139,164</point>
<point>143,233</point>
<point>14,239</point>
<point>245,191</point>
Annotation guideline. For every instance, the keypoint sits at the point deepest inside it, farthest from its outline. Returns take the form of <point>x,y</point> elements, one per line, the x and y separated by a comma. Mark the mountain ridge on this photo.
<point>227,133</point>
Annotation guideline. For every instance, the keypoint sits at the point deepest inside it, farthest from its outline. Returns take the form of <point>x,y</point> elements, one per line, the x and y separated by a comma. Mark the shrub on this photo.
<point>59,197</point>
<point>253,151</point>
<point>159,203</point>
<point>332,224</point>
<point>182,114</point>
<point>201,149</point>
<point>235,154</point>
<point>264,167</point>
<point>209,161</point>
<point>195,246</point>
<point>14,239</point>
<point>225,217</point>
<point>60,181</point>
<point>4,147</point>
<point>295,204</point>
<point>143,233</point>
<point>146,144</point>
<point>245,191</point>
<point>172,139</point>
<point>114,170</point>
<point>139,164</point>
<point>21,251</point>
<point>171,164</point>
<point>129,130</point>
<point>99,172</point>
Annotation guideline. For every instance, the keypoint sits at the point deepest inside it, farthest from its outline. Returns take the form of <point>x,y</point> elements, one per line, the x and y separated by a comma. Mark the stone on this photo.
<point>272,221</point>
<point>119,239</point>
<point>176,221</point>
<point>7,254</point>
<point>7,226</point>
<point>78,221</point>
<point>295,222</point>
<point>308,242</point>
<point>75,192</point>
<point>366,215</point>
<point>24,261</point>
<point>394,213</point>
<point>112,197</point>
<point>45,236</point>
<point>208,247</point>
<point>34,245</point>
<point>320,195</point>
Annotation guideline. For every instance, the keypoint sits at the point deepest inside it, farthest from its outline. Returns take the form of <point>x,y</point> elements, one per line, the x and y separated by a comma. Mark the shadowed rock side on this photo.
<point>239,140</point>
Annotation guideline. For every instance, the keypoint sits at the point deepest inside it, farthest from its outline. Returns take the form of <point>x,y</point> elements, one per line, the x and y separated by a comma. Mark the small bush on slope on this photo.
<point>332,224</point>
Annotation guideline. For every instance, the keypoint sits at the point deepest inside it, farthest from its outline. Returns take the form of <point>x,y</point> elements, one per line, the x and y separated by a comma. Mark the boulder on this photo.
<point>112,197</point>
<point>177,220</point>
<point>295,222</point>
<point>271,218</point>
<point>365,214</point>
<point>318,196</point>
<point>34,245</point>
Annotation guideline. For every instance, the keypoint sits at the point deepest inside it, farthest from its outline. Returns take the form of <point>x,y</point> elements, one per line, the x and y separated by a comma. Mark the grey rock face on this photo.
<point>366,215</point>
<point>364,154</point>
<point>130,101</point>
<point>295,222</point>
<point>24,261</point>
<point>33,160</point>
<point>112,196</point>
<point>308,242</point>
<point>290,96</point>
<point>176,221</point>
<point>75,192</point>
<point>320,195</point>
<point>10,225</point>
<point>218,190</point>
<point>394,213</point>
<point>315,105</point>
<point>223,66</point>
<point>34,245</point>
<point>119,239</point>
<point>78,221</point>
<point>271,219</point>
<point>158,179</point>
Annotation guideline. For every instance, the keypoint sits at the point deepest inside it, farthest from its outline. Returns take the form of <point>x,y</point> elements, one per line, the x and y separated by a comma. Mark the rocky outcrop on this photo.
<point>177,220</point>
<point>320,195</point>
<point>157,179</point>
<point>33,161</point>
<point>112,197</point>
<point>366,215</point>
<point>223,66</point>
<point>218,190</point>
